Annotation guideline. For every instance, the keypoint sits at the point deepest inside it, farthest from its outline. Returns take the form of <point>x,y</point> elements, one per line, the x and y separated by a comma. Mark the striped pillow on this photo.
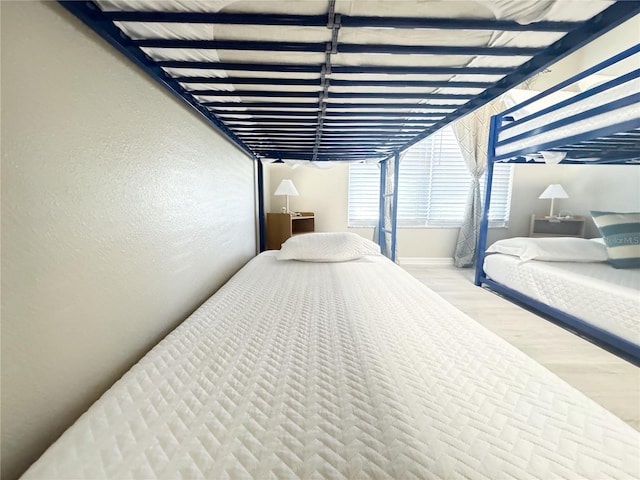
<point>621,233</point>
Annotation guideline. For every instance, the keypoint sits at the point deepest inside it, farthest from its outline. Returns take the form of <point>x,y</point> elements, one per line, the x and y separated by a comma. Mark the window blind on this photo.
<point>364,194</point>
<point>433,185</point>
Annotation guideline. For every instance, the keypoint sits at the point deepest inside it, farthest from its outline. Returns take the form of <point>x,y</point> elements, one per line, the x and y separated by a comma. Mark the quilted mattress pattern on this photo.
<point>597,293</point>
<point>338,370</point>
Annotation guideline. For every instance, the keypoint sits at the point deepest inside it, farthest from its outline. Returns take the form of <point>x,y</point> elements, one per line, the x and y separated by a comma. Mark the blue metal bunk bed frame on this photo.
<point>617,144</point>
<point>305,137</point>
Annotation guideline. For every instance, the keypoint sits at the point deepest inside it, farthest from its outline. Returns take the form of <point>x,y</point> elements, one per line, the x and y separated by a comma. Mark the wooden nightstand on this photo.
<point>281,226</point>
<point>556,227</point>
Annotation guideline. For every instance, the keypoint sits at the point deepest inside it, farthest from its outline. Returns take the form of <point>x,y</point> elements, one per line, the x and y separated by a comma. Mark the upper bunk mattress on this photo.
<point>534,126</point>
<point>339,370</point>
<point>606,297</point>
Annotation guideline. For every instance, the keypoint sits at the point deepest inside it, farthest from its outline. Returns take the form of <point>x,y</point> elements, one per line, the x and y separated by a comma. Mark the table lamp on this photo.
<point>286,188</point>
<point>554,191</point>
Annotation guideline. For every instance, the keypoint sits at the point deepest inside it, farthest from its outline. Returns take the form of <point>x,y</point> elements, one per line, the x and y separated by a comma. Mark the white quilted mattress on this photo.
<point>594,122</point>
<point>597,293</point>
<point>321,370</point>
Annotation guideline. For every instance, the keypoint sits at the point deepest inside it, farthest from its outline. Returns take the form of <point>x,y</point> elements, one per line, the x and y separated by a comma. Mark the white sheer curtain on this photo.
<point>472,134</point>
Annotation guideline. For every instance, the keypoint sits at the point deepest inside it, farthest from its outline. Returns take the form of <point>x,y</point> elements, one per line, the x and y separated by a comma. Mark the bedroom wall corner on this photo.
<point>122,211</point>
<point>322,191</point>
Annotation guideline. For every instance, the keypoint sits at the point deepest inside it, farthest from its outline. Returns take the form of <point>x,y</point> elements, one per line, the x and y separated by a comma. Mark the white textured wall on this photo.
<point>122,210</point>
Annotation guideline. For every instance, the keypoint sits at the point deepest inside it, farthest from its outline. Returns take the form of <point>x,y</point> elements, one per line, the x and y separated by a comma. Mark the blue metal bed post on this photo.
<point>383,181</point>
<point>394,209</point>
<point>484,224</point>
<point>262,244</point>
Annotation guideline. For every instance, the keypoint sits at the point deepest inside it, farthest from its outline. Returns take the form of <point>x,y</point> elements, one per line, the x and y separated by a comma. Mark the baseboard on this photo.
<point>433,261</point>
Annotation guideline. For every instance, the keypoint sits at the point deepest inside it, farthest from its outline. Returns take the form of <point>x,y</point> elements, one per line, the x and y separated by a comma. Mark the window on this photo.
<point>364,194</point>
<point>433,184</point>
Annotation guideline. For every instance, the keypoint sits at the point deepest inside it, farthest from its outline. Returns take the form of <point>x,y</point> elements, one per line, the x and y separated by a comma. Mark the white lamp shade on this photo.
<point>286,187</point>
<point>554,190</point>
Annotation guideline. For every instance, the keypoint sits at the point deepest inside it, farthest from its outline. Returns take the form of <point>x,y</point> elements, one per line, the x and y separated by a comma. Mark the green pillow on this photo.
<point>621,234</point>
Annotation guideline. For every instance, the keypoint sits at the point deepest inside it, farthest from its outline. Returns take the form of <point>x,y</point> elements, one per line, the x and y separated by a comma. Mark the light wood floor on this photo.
<point>612,382</point>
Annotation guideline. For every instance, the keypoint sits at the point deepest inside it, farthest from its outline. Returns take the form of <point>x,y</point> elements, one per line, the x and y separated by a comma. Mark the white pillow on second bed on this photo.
<point>327,247</point>
<point>560,249</point>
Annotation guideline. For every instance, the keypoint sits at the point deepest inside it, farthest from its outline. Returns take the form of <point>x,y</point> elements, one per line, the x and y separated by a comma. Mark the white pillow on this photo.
<point>327,247</point>
<point>560,249</point>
